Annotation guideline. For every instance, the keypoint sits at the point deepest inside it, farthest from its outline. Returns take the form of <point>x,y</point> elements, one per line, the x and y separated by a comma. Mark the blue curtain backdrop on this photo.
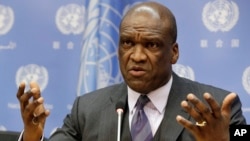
<point>69,48</point>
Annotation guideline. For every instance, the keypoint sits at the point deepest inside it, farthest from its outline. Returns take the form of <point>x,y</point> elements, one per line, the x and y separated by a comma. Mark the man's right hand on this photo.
<point>32,111</point>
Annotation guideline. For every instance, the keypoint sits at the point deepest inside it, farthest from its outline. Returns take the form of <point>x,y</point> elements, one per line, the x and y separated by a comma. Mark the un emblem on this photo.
<point>184,71</point>
<point>70,19</point>
<point>220,15</point>
<point>32,72</point>
<point>6,19</point>
<point>246,79</point>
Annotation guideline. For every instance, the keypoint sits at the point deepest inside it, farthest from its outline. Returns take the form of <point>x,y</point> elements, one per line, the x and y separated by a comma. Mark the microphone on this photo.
<point>119,109</point>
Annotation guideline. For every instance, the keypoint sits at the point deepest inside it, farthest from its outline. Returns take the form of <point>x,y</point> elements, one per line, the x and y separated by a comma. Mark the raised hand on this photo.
<point>32,111</point>
<point>212,122</point>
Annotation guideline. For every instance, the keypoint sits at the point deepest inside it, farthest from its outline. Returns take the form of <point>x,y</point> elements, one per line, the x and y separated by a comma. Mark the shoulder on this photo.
<point>104,92</point>
<point>102,96</point>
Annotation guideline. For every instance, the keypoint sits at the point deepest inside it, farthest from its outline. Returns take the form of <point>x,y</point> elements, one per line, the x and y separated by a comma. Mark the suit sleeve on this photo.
<point>70,130</point>
<point>237,117</point>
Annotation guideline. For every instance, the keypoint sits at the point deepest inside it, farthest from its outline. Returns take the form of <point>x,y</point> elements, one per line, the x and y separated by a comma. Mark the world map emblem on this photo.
<point>6,19</point>
<point>184,71</point>
<point>246,79</point>
<point>99,61</point>
<point>32,72</point>
<point>220,15</point>
<point>70,19</point>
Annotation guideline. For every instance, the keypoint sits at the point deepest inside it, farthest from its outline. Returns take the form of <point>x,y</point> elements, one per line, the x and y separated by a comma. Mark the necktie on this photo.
<point>140,127</point>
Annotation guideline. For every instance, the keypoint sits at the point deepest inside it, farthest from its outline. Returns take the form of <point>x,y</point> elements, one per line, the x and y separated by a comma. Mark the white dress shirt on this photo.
<point>154,109</point>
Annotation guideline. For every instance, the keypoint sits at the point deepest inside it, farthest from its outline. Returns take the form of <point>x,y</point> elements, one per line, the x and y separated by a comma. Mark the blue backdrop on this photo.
<point>69,48</point>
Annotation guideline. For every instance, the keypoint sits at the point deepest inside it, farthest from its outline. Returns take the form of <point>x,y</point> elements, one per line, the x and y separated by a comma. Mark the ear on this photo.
<point>175,53</point>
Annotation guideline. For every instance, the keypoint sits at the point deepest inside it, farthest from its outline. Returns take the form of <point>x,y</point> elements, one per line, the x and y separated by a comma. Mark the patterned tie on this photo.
<point>140,127</point>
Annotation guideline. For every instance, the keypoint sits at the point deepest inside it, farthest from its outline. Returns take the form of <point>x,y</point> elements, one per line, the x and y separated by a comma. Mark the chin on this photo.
<point>139,88</point>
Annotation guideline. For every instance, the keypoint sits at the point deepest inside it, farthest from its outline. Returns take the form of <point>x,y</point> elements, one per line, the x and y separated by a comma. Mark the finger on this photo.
<point>20,90</point>
<point>199,106</point>
<point>214,105</point>
<point>227,103</point>
<point>35,106</point>
<point>40,120</point>
<point>194,114</point>
<point>39,107</point>
<point>26,96</point>
<point>43,117</point>
<point>24,99</point>
<point>186,124</point>
<point>36,89</point>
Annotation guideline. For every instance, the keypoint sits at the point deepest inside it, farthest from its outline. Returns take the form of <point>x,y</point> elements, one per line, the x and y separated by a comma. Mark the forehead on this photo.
<point>143,20</point>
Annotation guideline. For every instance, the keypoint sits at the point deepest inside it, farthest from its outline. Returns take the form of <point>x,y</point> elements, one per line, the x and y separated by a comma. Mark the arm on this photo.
<point>32,111</point>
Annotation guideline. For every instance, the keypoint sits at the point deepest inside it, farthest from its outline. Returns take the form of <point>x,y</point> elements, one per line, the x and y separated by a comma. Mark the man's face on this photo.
<point>146,52</point>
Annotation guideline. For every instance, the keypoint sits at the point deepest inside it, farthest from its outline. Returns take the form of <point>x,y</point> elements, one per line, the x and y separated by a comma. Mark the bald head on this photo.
<point>156,11</point>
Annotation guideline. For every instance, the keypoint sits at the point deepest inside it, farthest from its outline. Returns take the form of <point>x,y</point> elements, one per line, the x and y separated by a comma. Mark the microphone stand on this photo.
<point>119,109</point>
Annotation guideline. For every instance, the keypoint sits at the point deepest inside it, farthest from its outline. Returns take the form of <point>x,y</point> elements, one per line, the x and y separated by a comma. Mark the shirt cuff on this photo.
<point>21,137</point>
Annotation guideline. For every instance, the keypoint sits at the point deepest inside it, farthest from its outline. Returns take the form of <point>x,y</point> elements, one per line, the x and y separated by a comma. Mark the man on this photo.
<point>178,109</point>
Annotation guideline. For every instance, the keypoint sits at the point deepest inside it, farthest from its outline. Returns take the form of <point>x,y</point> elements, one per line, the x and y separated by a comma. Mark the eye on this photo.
<point>127,43</point>
<point>152,45</point>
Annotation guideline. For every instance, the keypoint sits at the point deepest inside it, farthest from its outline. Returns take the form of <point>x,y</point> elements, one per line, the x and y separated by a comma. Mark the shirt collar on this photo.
<point>158,97</point>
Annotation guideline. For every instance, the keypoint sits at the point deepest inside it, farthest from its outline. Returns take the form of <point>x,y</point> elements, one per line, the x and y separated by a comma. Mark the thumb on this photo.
<point>43,117</point>
<point>227,104</point>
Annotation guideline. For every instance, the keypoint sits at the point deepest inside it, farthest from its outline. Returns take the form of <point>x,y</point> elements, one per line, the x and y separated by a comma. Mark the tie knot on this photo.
<point>142,101</point>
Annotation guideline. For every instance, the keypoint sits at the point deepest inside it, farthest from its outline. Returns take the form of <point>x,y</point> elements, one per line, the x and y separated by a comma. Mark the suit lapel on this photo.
<point>125,132</point>
<point>169,128</point>
<point>109,118</point>
<point>108,124</point>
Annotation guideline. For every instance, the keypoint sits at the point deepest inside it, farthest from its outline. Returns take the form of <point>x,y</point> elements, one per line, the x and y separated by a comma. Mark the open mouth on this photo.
<point>137,71</point>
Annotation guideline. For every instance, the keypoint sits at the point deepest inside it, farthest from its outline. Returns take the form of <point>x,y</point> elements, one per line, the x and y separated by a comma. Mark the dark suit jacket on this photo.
<point>9,135</point>
<point>94,118</point>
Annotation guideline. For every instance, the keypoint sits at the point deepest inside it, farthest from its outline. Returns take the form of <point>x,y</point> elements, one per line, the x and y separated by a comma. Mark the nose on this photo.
<point>138,54</point>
